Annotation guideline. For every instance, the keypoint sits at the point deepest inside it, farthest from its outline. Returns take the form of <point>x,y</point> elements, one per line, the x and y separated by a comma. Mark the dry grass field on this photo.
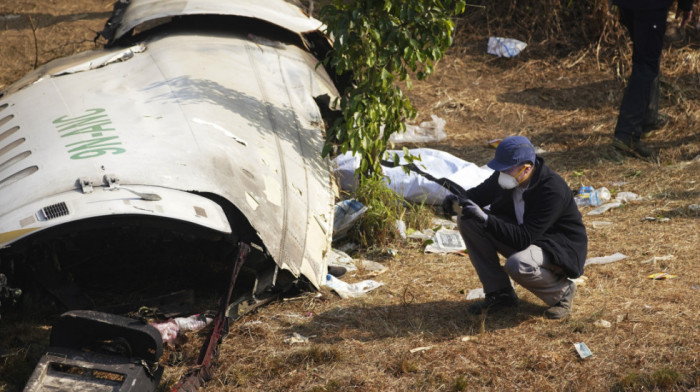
<point>563,94</point>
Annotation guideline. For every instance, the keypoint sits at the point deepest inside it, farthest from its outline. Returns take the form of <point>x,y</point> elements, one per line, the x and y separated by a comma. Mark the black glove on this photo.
<point>450,205</point>
<point>473,211</point>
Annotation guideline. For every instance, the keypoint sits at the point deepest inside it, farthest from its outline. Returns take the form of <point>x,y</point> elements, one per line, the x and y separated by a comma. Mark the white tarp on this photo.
<point>412,186</point>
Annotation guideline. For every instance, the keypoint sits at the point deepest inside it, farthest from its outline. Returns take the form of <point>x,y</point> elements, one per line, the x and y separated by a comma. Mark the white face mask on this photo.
<point>506,181</point>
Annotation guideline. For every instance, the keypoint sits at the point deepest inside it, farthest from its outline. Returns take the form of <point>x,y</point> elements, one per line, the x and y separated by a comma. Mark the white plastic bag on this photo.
<point>427,131</point>
<point>415,187</point>
<point>505,47</point>
<point>347,212</point>
<point>346,290</point>
<point>338,258</point>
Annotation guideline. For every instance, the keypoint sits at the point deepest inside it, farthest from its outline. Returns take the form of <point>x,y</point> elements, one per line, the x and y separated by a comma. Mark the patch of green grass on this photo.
<point>460,383</point>
<point>377,226</point>
<point>661,379</point>
<point>331,386</point>
<point>665,378</point>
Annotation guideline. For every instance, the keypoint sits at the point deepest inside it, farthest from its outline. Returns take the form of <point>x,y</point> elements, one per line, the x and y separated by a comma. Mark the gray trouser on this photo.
<point>530,267</point>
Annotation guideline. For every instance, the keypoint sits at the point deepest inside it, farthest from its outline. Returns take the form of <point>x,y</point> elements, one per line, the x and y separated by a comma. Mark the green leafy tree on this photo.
<point>380,42</point>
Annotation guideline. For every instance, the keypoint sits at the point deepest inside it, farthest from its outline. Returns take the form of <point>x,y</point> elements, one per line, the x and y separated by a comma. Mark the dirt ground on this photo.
<point>413,333</point>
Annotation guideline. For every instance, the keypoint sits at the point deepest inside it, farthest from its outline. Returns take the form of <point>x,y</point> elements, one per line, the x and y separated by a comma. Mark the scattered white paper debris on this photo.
<point>346,213</point>
<point>447,224</point>
<point>604,208</point>
<point>626,197</point>
<point>602,323</point>
<point>371,268</point>
<point>427,131</point>
<point>658,258</point>
<point>424,235</point>
<point>446,241</point>
<point>417,349</point>
<point>606,259</point>
<point>346,290</point>
<point>582,350</point>
<point>296,338</point>
<point>476,294</point>
<point>338,258</point>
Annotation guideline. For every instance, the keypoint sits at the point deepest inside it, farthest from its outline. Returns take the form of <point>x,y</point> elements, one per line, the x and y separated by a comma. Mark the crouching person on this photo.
<point>533,221</point>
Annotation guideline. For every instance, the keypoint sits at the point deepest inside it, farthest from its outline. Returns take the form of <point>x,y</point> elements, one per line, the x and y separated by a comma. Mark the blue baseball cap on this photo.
<point>511,152</point>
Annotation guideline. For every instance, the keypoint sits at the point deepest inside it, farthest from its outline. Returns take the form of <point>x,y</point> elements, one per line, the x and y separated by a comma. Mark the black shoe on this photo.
<point>649,133</point>
<point>337,271</point>
<point>563,307</point>
<point>632,148</point>
<point>659,122</point>
<point>495,301</point>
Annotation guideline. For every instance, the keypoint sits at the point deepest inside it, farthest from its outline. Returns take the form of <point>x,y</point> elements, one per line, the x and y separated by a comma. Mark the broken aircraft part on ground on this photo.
<point>193,129</point>
<point>110,353</point>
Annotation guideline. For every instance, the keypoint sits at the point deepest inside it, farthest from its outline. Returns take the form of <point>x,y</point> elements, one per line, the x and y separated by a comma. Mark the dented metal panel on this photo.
<point>277,12</point>
<point>213,114</point>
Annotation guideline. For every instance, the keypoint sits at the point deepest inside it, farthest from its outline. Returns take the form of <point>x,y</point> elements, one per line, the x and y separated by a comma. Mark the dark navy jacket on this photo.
<point>551,221</point>
<point>685,5</point>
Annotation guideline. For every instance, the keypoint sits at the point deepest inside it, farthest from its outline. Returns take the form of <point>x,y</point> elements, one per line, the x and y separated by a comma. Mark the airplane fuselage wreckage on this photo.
<point>143,168</point>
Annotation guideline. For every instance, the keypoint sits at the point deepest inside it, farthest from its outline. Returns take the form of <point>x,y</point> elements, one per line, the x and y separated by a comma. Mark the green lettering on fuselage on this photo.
<point>93,123</point>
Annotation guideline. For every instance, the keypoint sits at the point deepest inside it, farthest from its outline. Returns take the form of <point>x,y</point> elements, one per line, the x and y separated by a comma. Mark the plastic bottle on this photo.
<point>580,201</point>
<point>583,196</point>
<point>589,196</point>
<point>401,228</point>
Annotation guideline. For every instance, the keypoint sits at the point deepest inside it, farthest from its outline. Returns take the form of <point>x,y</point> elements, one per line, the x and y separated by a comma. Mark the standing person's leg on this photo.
<point>647,28</point>
<point>654,120</point>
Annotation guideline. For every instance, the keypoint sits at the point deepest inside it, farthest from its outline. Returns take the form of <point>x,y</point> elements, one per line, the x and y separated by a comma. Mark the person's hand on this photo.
<point>685,16</point>
<point>450,205</point>
<point>473,211</point>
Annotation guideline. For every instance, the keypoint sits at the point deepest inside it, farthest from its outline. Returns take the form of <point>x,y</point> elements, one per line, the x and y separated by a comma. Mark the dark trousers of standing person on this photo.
<point>640,103</point>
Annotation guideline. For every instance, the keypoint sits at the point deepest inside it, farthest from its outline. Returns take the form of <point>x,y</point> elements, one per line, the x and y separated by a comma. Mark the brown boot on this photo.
<point>563,308</point>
